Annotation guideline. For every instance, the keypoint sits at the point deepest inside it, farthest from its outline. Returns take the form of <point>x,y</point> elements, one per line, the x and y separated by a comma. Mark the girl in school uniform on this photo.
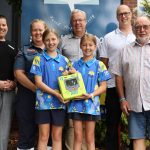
<point>50,107</point>
<point>86,108</point>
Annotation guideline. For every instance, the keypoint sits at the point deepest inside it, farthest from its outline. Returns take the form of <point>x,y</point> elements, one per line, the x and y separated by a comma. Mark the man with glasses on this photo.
<point>70,43</point>
<point>70,47</point>
<point>112,44</point>
<point>132,70</point>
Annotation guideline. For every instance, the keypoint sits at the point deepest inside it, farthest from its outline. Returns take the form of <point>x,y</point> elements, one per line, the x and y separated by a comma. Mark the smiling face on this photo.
<point>88,46</point>
<point>37,29</point>
<point>141,29</point>
<point>124,15</point>
<point>50,40</point>
<point>3,29</point>
<point>78,22</point>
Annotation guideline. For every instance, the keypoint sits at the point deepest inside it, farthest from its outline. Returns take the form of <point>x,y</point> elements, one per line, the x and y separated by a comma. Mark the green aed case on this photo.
<point>71,86</point>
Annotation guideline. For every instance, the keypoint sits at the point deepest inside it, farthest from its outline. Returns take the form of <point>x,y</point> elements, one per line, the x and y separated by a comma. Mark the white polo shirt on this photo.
<point>113,43</point>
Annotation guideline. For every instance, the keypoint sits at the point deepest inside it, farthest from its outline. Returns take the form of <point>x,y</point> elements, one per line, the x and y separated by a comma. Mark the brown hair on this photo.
<point>90,37</point>
<point>2,16</point>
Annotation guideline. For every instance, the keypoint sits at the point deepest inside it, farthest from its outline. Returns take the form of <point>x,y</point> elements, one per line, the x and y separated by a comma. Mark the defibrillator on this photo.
<point>71,86</point>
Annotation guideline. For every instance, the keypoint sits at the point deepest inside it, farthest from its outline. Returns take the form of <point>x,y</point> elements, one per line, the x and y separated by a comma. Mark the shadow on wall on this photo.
<point>110,27</point>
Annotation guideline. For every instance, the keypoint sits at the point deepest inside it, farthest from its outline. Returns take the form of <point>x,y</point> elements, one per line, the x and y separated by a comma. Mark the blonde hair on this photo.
<point>48,31</point>
<point>38,20</point>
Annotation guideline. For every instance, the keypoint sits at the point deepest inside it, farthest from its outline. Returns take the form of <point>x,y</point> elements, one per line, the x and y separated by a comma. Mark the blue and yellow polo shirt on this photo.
<point>50,69</point>
<point>93,72</point>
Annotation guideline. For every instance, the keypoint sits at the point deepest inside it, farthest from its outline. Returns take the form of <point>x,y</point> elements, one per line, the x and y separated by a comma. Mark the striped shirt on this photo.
<point>134,65</point>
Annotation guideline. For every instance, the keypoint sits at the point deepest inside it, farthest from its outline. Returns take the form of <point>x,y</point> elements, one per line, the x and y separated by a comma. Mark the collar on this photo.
<point>48,57</point>
<point>118,31</point>
<point>88,63</point>
<point>137,43</point>
<point>71,35</point>
<point>35,48</point>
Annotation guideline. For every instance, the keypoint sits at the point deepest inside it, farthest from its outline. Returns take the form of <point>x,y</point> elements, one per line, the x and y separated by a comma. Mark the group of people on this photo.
<point>41,109</point>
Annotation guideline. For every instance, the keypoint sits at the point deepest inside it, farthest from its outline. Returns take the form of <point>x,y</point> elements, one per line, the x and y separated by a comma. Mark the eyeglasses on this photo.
<point>145,27</point>
<point>123,14</point>
<point>78,20</point>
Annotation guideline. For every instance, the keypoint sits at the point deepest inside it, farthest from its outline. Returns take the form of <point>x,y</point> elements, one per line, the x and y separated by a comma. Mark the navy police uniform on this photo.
<point>25,107</point>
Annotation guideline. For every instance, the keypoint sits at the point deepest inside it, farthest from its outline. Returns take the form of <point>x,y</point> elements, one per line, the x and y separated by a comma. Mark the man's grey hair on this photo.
<point>139,16</point>
<point>77,11</point>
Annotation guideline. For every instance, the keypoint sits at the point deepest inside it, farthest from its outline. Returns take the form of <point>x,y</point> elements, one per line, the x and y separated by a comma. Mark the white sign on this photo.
<point>71,3</point>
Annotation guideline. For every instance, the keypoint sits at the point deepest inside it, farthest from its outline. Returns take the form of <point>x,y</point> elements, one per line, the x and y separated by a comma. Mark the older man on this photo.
<point>70,47</point>
<point>70,44</point>
<point>132,69</point>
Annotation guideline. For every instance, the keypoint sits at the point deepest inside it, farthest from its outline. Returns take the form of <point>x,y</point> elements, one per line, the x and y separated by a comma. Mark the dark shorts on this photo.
<point>84,117</point>
<point>54,117</point>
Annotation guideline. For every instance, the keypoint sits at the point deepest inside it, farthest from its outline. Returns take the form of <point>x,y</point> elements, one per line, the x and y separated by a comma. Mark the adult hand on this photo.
<point>12,85</point>
<point>3,85</point>
<point>7,85</point>
<point>125,107</point>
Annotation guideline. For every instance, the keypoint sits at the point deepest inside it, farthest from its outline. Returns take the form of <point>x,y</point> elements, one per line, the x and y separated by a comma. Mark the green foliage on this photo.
<point>125,141</point>
<point>124,130</point>
<point>17,6</point>
<point>100,133</point>
<point>146,5</point>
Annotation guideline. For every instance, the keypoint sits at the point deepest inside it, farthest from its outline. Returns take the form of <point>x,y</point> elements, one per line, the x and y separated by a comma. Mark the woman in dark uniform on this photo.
<point>25,108</point>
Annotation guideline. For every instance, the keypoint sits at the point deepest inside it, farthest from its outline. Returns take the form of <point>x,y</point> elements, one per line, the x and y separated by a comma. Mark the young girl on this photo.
<point>50,107</point>
<point>87,108</point>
